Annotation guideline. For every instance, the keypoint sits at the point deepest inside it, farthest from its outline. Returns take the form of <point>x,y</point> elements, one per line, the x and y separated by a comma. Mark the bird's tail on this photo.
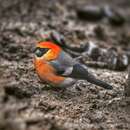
<point>98,82</point>
<point>80,72</point>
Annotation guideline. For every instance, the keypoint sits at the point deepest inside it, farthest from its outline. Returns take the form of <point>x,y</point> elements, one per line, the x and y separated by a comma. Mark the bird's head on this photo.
<point>47,51</point>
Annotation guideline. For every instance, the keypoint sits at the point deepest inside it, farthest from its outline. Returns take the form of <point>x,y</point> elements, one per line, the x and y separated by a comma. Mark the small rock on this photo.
<point>114,17</point>
<point>100,32</point>
<point>57,38</point>
<point>90,13</point>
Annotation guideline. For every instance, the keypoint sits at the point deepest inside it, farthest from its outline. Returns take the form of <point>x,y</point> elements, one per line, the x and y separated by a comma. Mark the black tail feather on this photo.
<point>80,72</point>
<point>98,82</point>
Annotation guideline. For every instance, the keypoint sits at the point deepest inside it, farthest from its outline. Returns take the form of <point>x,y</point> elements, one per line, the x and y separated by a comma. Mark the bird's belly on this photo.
<point>47,73</point>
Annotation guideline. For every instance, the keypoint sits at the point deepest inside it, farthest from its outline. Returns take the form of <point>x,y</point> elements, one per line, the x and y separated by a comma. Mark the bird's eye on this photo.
<point>40,51</point>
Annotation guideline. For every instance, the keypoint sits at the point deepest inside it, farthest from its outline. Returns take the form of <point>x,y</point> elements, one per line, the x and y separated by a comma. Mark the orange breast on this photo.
<point>47,72</point>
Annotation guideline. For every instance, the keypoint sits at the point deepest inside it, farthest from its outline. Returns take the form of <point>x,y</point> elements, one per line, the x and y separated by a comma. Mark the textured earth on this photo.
<point>28,104</point>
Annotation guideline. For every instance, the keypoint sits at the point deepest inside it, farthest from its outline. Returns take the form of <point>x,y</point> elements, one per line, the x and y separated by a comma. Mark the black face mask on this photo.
<point>40,51</point>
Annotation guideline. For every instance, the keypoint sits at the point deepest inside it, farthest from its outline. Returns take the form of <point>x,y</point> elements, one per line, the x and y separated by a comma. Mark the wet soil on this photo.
<point>28,104</point>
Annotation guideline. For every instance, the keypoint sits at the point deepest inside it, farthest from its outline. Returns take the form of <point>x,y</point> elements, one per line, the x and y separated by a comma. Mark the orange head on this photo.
<point>47,51</point>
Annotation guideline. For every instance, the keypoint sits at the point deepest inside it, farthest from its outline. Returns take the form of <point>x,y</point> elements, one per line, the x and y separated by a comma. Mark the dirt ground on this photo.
<point>28,104</point>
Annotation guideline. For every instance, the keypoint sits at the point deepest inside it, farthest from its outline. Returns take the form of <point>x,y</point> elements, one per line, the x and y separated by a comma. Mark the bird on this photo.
<point>57,68</point>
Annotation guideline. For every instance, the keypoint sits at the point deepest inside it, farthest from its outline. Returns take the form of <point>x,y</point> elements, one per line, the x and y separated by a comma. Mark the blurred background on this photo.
<point>97,29</point>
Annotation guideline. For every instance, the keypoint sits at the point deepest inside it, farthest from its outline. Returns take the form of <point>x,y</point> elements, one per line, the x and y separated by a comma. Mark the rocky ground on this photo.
<point>28,104</point>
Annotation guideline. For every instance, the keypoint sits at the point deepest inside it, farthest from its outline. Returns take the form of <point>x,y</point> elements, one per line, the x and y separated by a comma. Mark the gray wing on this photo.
<point>67,66</point>
<point>64,64</point>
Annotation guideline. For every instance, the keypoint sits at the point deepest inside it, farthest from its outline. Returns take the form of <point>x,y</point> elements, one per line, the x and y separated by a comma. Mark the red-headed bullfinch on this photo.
<point>58,68</point>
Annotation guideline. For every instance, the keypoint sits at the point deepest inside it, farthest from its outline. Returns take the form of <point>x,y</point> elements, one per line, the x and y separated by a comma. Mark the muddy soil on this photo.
<point>28,104</point>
